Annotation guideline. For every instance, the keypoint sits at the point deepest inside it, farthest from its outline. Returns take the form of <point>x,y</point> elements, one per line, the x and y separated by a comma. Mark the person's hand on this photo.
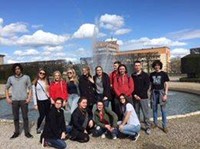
<point>105,98</point>
<point>85,131</point>
<point>121,127</point>
<point>90,79</point>
<point>52,101</point>
<point>137,97</point>
<point>8,100</point>
<point>108,127</point>
<point>63,135</point>
<point>28,100</point>
<point>36,107</point>
<point>91,123</point>
<point>164,97</point>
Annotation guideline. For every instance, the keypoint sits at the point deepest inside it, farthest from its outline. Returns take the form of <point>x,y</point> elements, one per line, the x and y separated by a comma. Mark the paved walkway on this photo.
<point>184,133</point>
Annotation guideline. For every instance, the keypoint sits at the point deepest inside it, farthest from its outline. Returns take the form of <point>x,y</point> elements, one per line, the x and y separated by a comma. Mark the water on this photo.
<point>178,103</point>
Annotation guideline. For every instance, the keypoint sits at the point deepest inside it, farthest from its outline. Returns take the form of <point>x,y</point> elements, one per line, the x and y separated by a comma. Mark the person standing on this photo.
<point>41,99</point>
<point>140,94</point>
<point>20,83</point>
<point>87,87</point>
<point>73,90</point>
<point>58,88</point>
<point>102,82</point>
<point>123,84</point>
<point>54,129</point>
<point>159,90</point>
<point>112,75</point>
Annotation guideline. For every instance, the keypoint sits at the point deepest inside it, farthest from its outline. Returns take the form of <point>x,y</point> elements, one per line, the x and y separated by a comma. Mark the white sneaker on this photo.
<point>136,137</point>
<point>103,136</point>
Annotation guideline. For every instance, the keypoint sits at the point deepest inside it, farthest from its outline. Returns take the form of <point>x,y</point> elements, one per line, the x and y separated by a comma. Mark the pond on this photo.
<point>178,103</point>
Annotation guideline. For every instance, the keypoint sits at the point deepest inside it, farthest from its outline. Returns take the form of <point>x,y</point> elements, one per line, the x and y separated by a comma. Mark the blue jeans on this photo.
<point>130,129</point>
<point>73,99</point>
<point>56,143</point>
<point>155,111</point>
<point>100,130</point>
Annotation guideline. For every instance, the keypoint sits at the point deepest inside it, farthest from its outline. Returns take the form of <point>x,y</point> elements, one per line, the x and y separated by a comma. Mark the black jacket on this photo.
<point>87,89</point>
<point>141,83</point>
<point>55,124</point>
<point>106,85</point>
<point>77,120</point>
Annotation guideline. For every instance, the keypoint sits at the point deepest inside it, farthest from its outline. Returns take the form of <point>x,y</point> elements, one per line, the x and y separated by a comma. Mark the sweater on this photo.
<point>58,89</point>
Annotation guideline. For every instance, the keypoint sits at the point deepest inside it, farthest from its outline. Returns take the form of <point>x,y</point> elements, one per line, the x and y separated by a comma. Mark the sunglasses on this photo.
<point>42,73</point>
<point>69,72</point>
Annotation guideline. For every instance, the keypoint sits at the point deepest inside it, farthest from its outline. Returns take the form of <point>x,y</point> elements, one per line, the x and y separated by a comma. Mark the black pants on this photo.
<point>16,105</point>
<point>43,108</point>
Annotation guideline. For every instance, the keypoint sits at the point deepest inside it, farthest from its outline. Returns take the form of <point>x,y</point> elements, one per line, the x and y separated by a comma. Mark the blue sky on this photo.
<point>64,29</point>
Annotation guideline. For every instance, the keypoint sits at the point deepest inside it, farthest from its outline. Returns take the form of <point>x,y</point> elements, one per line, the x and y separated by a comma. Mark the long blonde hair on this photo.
<point>54,73</point>
<point>74,75</point>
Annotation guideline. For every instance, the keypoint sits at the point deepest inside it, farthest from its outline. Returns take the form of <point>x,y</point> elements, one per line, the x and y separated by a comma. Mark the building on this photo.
<point>105,53</point>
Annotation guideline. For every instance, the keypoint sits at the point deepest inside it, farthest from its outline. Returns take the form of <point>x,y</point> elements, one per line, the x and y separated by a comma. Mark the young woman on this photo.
<point>54,129</point>
<point>102,82</point>
<point>159,89</point>
<point>41,96</point>
<point>58,88</point>
<point>106,121</point>
<point>87,87</point>
<point>130,124</point>
<point>81,122</point>
<point>73,90</point>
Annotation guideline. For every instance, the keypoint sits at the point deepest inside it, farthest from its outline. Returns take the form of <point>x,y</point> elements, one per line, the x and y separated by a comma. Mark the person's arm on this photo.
<point>34,97</point>
<point>115,86</point>
<point>166,87</point>
<point>131,86</point>
<point>8,84</point>
<point>51,93</point>
<point>114,117</point>
<point>29,90</point>
<point>126,118</point>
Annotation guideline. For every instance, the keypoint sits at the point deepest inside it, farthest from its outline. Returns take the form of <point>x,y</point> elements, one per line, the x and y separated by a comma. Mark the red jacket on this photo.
<point>58,89</point>
<point>123,84</point>
<point>112,76</point>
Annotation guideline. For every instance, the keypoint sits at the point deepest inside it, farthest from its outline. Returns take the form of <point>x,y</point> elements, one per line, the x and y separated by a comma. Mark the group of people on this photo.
<point>87,98</point>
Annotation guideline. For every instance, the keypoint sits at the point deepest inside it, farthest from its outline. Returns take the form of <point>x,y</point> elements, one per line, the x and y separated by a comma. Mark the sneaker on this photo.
<point>28,135</point>
<point>165,129</point>
<point>135,137</point>
<point>38,131</point>
<point>15,135</point>
<point>44,143</point>
<point>103,136</point>
<point>148,131</point>
<point>114,137</point>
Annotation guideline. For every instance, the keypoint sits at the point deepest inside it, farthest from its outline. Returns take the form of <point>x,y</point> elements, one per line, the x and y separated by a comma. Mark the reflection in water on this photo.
<point>178,103</point>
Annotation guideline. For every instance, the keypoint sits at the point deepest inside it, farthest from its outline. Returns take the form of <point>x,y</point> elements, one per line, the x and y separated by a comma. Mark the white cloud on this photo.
<point>186,34</point>
<point>12,29</point>
<point>41,38</point>
<point>1,22</point>
<point>111,22</point>
<point>53,49</point>
<point>179,52</point>
<point>122,31</point>
<point>86,31</point>
<point>28,52</point>
<point>145,42</point>
<point>37,26</point>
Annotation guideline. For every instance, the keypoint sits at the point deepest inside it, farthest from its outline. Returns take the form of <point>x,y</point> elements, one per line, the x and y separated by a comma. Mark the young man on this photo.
<point>140,97</point>
<point>159,89</point>
<point>112,75</point>
<point>19,83</point>
<point>123,83</point>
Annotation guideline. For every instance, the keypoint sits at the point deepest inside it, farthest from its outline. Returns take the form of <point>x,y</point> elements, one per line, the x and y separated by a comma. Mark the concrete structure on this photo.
<point>1,59</point>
